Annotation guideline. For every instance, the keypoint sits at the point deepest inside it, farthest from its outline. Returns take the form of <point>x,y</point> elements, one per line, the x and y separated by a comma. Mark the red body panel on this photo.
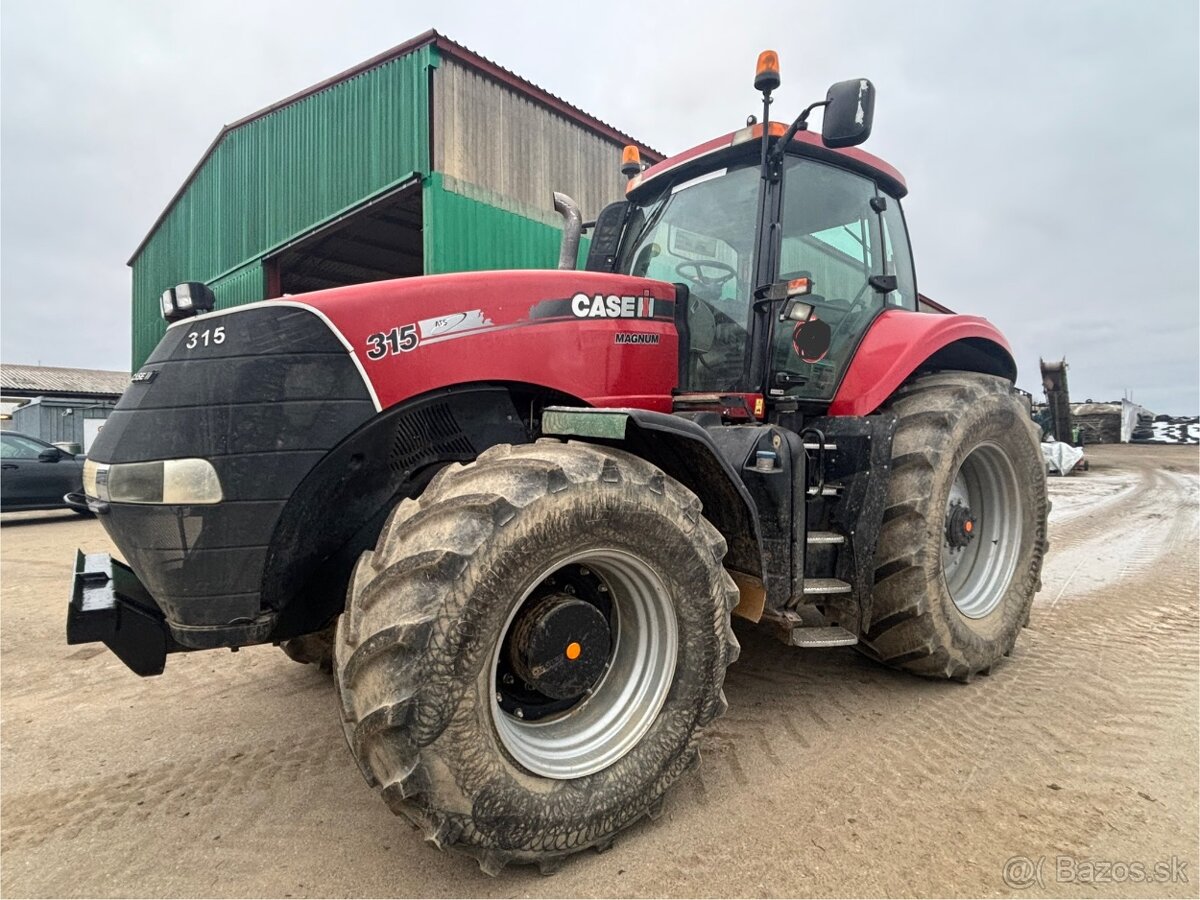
<point>802,137</point>
<point>896,344</point>
<point>512,326</point>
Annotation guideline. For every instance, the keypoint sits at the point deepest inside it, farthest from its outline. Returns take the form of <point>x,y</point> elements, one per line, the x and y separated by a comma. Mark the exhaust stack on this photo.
<point>572,229</point>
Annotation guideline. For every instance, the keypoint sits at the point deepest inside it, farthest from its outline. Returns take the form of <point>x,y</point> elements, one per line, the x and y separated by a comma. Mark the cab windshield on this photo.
<point>701,233</point>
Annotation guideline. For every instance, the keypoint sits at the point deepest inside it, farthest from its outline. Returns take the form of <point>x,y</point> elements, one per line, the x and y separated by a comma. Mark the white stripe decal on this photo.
<point>298,305</point>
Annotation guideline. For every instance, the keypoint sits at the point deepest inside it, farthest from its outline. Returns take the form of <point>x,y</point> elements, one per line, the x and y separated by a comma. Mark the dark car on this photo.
<point>37,475</point>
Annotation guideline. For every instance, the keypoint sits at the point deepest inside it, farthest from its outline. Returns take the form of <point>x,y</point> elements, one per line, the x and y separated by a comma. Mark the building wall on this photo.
<point>469,229</point>
<point>59,419</point>
<point>274,178</point>
<point>489,135</point>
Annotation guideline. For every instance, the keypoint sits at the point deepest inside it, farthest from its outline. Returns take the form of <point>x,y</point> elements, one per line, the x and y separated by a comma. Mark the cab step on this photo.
<point>825,586</point>
<point>821,636</point>
<point>825,537</point>
<point>804,627</point>
<point>828,490</point>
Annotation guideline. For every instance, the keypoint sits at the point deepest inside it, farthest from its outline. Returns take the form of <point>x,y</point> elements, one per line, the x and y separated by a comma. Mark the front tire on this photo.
<point>960,552</point>
<point>484,762</point>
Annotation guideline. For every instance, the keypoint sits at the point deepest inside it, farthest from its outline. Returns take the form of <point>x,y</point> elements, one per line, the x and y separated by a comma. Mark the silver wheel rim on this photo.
<point>978,575</point>
<point>613,718</point>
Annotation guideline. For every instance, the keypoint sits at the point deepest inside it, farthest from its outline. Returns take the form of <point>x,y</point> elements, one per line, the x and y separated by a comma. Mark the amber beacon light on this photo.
<point>766,74</point>
<point>631,161</point>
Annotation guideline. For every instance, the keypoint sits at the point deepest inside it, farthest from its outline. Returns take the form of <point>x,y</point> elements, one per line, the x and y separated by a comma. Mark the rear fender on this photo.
<point>901,343</point>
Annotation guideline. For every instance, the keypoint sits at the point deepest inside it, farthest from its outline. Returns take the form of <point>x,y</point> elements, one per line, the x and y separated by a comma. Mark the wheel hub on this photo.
<point>560,646</point>
<point>584,663</point>
<point>960,526</point>
<point>982,532</point>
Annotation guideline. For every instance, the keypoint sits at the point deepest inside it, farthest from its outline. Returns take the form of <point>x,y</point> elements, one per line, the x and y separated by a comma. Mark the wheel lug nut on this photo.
<point>569,589</point>
<point>499,697</point>
<point>583,570</point>
<point>520,713</point>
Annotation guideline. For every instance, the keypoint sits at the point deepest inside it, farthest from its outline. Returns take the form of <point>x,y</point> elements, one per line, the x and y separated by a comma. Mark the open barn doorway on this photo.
<point>377,240</point>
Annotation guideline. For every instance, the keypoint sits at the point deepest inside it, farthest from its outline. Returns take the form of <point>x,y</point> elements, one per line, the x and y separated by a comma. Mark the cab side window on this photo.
<point>897,259</point>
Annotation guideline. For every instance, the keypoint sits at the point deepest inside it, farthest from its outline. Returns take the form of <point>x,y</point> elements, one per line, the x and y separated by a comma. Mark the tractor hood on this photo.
<point>604,339</point>
<point>244,420</point>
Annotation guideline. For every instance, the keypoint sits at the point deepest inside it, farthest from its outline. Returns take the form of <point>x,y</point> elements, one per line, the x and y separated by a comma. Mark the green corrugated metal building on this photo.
<point>427,158</point>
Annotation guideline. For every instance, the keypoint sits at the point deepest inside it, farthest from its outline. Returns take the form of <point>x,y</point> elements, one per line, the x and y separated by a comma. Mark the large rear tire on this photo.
<point>486,763</point>
<point>960,552</point>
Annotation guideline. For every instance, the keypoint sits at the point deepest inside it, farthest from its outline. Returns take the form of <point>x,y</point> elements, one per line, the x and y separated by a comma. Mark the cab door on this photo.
<point>839,231</point>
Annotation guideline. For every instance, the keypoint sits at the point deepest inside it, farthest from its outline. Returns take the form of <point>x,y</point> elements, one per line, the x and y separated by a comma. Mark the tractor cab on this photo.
<point>787,250</point>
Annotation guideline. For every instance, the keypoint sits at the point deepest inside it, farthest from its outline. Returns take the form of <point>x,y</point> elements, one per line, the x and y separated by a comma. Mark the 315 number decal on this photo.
<point>400,339</point>
<point>206,337</point>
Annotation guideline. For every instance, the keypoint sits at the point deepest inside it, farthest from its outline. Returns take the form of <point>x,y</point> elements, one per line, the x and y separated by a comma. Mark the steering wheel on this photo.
<point>697,266</point>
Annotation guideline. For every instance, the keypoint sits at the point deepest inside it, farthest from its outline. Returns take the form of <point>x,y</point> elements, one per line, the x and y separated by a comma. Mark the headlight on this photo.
<point>173,481</point>
<point>89,478</point>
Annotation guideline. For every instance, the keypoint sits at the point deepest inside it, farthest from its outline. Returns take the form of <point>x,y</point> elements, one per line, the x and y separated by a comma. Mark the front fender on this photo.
<point>900,342</point>
<point>684,451</point>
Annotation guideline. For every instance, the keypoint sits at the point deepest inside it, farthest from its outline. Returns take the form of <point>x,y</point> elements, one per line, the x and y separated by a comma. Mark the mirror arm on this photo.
<point>801,124</point>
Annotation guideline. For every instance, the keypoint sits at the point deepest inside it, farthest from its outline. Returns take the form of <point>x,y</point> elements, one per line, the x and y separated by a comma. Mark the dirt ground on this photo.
<point>228,775</point>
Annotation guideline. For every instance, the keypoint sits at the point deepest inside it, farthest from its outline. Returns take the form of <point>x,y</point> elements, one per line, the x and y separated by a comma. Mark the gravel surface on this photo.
<point>228,775</point>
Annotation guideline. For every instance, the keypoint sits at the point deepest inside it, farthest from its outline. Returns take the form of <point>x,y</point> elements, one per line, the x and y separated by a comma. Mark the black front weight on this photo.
<point>110,605</point>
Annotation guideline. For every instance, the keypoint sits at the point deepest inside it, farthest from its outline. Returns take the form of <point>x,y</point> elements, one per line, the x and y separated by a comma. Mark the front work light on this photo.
<point>188,299</point>
<point>795,309</point>
<point>167,481</point>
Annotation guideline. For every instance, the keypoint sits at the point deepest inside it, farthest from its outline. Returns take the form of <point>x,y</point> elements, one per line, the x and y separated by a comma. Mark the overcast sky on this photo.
<point>1051,148</point>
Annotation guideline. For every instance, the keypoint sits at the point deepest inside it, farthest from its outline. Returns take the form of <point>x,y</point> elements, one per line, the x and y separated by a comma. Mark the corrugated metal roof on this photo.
<point>445,46</point>
<point>51,380</point>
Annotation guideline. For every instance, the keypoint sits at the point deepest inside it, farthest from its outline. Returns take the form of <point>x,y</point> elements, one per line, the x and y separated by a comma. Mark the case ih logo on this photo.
<point>611,306</point>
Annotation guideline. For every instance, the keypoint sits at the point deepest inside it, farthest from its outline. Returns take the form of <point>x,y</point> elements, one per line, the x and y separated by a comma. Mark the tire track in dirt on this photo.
<point>1121,706</point>
<point>170,787</point>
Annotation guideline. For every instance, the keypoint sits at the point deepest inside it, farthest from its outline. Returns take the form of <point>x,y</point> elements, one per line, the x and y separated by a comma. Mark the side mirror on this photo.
<point>849,110</point>
<point>50,454</point>
<point>606,237</point>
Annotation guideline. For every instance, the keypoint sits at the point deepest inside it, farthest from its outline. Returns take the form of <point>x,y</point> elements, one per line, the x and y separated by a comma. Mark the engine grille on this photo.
<point>425,435</point>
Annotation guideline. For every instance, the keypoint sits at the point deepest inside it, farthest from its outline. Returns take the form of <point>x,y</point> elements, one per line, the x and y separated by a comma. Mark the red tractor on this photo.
<point>514,511</point>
